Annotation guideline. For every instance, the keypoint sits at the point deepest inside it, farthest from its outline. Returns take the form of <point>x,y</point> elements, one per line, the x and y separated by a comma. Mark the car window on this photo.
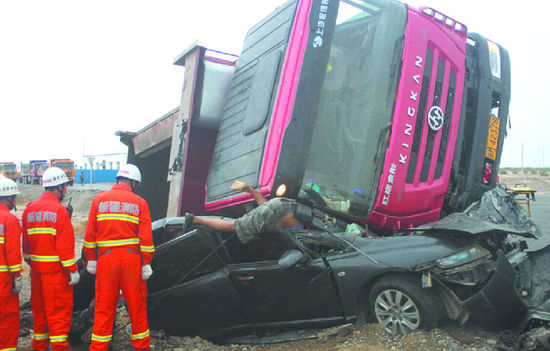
<point>321,244</point>
<point>166,233</point>
<point>184,258</point>
<point>269,247</point>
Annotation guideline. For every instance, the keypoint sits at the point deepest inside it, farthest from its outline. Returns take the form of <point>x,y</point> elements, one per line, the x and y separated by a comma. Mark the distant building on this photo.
<point>104,161</point>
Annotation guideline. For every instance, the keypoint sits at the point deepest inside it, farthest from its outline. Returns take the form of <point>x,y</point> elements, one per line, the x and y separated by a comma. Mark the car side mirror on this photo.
<point>291,258</point>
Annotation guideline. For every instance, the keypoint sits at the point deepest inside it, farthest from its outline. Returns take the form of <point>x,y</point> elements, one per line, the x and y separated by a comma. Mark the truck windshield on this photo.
<point>9,167</point>
<point>64,165</point>
<point>41,166</point>
<point>355,110</point>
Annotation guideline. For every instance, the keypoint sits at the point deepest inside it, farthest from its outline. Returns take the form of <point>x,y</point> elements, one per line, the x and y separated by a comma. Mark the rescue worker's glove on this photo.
<point>146,271</point>
<point>74,278</point>
<point>17,285</point>
<point>91,267</point>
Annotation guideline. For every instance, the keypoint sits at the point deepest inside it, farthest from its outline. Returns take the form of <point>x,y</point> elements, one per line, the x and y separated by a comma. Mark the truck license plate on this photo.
<point>492,138</point>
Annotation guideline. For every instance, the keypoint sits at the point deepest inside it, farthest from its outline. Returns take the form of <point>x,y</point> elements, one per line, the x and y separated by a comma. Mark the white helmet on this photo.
<point>54,176</point>
<point>8,187</point>
<point>129,171</point>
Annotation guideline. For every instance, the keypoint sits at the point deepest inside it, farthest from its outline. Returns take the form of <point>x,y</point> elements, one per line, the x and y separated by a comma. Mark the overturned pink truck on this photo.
<point>369,113</point>
<point>395,114</point>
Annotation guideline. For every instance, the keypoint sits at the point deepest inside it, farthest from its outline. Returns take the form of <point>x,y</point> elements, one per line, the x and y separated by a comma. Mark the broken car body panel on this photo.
<point>495,212</point>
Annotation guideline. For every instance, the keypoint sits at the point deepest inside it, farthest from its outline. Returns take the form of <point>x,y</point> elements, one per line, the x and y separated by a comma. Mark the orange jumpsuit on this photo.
<point>10,268</point>
<point>119,227</point>
<point>48,246</point>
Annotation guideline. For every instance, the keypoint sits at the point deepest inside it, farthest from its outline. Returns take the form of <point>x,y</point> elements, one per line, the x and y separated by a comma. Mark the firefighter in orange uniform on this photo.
<point>48,246</point>
<point>119,247</point>
<point>10,266</point>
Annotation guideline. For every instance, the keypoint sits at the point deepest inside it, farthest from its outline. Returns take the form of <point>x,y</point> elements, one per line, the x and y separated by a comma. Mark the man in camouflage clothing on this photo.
<point>270,215</point>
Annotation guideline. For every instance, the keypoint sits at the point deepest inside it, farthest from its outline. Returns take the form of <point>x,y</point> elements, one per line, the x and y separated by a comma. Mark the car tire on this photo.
<point>400,304</point>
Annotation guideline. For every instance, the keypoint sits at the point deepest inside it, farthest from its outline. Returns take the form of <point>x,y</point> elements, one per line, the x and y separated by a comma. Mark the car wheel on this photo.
<point>401,305</point>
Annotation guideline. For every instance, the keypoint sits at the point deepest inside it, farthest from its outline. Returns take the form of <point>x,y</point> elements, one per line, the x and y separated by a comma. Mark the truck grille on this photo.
<point>434,155</point>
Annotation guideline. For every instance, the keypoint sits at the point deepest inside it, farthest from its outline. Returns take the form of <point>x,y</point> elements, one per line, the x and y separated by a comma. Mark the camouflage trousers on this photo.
<point>263,218</point>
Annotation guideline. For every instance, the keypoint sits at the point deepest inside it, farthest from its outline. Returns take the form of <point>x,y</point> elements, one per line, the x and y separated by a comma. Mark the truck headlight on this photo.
<point>463,257</point>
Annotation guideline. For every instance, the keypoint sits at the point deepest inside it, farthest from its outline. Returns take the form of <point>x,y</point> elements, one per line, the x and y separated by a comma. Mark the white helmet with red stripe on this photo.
<point>8,187</point>
<point>129,171</point>
<point>54,176</point>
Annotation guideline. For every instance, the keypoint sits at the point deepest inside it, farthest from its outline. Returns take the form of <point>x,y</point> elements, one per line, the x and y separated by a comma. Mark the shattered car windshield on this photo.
<point>320,244</point>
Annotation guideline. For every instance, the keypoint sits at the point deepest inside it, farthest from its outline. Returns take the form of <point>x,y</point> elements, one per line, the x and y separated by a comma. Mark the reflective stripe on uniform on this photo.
<point>2,240</point>
<point>147,248</point>
<point>3,268</point>
<point>117,217</point>
<point>90,245</point>
<point>122,242</point>
<point>15,268</point>
<point>9,349</point>
<point>34,231</point>
<point>140,335</point>
<point>41,336</point>
<point>58,338</point>
<point>106,338</point>
<point>68,263</point>
<point>38,258</point>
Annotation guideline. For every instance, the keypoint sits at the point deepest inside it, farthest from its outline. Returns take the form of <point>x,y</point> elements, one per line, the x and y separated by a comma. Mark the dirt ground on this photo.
<point>362,336</point>
<point>539,183</point>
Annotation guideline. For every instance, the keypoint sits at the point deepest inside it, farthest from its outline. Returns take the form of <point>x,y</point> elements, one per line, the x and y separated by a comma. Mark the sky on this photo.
<point>73,72</point>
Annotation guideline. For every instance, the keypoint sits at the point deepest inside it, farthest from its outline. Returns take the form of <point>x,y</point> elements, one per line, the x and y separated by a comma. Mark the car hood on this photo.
<point>497,211</point>
<point>406,251</point>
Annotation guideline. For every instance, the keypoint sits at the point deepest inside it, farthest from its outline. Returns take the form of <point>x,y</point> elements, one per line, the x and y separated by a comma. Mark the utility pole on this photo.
<point>521,158</point>
<point>91,160</point>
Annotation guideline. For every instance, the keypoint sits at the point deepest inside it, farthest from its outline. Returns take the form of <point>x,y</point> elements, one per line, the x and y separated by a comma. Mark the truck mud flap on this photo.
<point>497,305</point>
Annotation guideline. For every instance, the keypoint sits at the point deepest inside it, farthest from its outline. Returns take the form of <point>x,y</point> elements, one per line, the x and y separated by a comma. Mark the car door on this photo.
<point>299,296</point>
<point>189,292</point>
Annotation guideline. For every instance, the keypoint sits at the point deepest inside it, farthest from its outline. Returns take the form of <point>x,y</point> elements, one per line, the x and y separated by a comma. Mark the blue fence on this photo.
<point>97,175</point>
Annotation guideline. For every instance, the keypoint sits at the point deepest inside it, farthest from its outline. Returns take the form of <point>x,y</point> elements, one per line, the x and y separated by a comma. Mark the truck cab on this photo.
<point>393,116</point>
<point>393,113</point>
<point>8,170</point>
<point>67,165</point>
<point>37,168</point>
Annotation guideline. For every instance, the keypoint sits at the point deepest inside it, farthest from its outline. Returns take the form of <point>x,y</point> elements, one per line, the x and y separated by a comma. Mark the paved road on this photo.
<point>540,214</point>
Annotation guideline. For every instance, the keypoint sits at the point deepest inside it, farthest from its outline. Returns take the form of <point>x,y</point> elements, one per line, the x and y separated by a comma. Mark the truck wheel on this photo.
<point>400,304</point>
<point>71,183</point>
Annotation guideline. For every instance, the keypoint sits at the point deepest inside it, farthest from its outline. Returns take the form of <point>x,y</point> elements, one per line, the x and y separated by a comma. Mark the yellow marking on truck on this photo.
<point>492,138</point>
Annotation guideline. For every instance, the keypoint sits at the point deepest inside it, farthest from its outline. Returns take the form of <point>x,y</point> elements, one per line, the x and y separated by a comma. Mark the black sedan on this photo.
<point>208,283</point>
